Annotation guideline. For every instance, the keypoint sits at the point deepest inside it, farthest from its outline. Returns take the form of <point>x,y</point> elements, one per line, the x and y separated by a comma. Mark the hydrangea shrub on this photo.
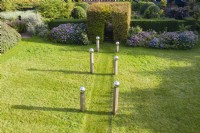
<point>70,33</point>
<point>175,40</point>
<point>140,39</point>
<point>166,40</point>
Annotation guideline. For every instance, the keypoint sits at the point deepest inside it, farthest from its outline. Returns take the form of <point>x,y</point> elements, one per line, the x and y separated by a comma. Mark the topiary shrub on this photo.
<point>78,13</point>
<point>152,12</point>
<point>9,37</point>
<point>99,14</point>
<point>84,5</point>
<point>145,6</point>
<point>136,6</point>
<point>70,33</point>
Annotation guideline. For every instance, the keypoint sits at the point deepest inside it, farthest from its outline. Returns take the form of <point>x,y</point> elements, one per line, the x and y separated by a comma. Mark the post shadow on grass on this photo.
<point>72,110</point>
<point>69,72</point>
<point>171,106</point>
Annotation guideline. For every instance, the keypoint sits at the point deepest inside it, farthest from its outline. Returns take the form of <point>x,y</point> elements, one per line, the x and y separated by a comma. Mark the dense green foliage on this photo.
<point>11,5</point>
<point>29,20</point>
<point>19,26</point>
<point>78,13</point>
<point>55,9</point>
<point>40,81</point>
<point>84,5</point>
<point>145,6</point>
<point>7,5</point>
<point>161,25</point>
<point>57,22</point>
<point>196,11</point>
<point>152,11</point>
<point>9,37</point>
<point>99,14</point>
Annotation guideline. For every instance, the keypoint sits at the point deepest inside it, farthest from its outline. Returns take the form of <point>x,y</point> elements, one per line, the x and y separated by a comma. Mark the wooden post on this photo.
<point>91,60</point>
<point>97,43</point>
<point>117,46</point>
<point>116,65</point>
<point>82,98</point>
<point>116,96</point>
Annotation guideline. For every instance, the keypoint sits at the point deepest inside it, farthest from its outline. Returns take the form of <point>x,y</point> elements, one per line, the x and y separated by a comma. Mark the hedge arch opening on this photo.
<point>108,32</point>
<point>117,13</point>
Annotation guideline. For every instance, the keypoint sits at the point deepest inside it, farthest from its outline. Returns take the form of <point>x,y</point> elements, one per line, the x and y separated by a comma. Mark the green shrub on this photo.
<point>160,25</point>
<point>152,12</point>
<point>78,13</point>
<point>8,5</point>
<point>136,6</point>
<point>84,5</point>
<point>68,9</point>
<point>9,37</point>
<point>99,14</point>
<point>52,9</point>
<point>145,6</point>
<point>162,4</point>
<point>134,30</point>
<point>196,11</point>
<point>19,26</point>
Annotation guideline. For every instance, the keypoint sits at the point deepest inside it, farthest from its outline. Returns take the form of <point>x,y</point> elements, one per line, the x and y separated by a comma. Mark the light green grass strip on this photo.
<point>101,98</point>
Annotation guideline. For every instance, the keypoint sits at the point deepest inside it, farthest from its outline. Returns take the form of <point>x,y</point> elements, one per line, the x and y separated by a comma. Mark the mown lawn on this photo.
<point>40,80</point>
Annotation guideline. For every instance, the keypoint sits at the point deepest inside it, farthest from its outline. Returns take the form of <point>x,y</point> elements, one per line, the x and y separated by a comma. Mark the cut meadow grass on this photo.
<point>40,81</point>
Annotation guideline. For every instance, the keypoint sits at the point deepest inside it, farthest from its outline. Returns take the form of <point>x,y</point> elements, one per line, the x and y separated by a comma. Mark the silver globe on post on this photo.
<point>116,96</point>
<point>82,98</point>
<point>117,46</point>
<point>97,43</point>
<point>116,58</point>
<point>91,60</point>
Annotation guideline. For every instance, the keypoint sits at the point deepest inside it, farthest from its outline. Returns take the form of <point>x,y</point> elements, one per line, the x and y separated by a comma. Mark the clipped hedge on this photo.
<point>99,14</point>
<point>160,25</point>
<point>9,37</point>
<point>57,22</point>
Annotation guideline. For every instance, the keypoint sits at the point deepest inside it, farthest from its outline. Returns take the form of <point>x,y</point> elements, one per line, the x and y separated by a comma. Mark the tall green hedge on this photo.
<point>161,25</point>
<point>117,13</point>
<point>8,38</point>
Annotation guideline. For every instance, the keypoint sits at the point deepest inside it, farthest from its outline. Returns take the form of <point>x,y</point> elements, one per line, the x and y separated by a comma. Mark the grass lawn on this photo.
<point>40,81</point>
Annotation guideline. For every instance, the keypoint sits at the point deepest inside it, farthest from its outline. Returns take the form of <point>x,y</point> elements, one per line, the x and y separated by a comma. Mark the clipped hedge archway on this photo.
<point>118,13</point>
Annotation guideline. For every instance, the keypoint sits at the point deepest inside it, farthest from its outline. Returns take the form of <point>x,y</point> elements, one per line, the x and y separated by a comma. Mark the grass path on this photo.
<point>101,98</point>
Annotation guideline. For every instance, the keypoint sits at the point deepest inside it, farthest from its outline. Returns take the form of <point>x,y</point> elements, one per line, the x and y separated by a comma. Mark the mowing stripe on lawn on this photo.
<point>101,95</point>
